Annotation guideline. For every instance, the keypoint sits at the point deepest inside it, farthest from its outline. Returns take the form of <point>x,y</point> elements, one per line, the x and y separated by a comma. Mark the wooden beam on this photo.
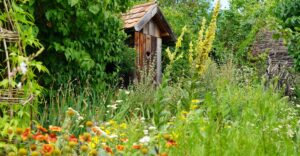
<point>158,61</point>
<point>148,16</point>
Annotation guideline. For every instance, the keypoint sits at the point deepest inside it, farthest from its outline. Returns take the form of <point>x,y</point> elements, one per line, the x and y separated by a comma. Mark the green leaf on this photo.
<point>73,2</point>
<point>94,9</point>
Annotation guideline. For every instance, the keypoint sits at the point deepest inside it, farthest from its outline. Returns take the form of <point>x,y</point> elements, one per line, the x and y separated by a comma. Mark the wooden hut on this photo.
<point>148,30</point>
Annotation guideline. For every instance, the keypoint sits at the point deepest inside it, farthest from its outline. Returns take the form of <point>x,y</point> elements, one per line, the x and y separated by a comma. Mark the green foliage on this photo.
<point>288,12</point>
<point>237,29</point>
<point>84,40</point>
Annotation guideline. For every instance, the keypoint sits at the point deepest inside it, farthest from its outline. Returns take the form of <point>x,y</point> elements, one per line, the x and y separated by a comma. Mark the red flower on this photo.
<point>55,128</point>
<point>42,129</point>
<point>39,137</point>
<point>86,137</point>
<point>108,149</point>
<point>137,146</point>
<point>51,137</point>
<point>171,143</point>
<point>120,147</point>
<point>26,134</point>
<point>47,149</point>
<point>72,138</point>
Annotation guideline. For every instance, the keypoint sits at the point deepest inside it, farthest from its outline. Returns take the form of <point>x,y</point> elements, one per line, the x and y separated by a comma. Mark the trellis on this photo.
<point>9,35</point>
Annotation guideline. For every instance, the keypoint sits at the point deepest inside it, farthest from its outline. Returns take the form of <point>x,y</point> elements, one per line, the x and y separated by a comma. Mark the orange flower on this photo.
<point>163,154</point>
<point>26,134</point>
<point>72,138</point>
<point>86,137</point>
<point>51,137</point>
<point>171,143</point>
<point>39,137</point>
<point>124,140</point>
<point>47,149</point>
<point>137,146</point>
<point>42,129</point>
<point>55,128</point>
<point>108,149</point>
<point>96,130</point>
<point>120,147</point>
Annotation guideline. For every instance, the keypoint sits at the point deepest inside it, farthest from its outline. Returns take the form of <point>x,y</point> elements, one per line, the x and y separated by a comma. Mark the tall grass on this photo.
<point>238,120</point>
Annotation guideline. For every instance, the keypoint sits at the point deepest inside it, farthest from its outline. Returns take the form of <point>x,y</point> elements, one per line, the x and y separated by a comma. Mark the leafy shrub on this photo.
<point>84,40</point>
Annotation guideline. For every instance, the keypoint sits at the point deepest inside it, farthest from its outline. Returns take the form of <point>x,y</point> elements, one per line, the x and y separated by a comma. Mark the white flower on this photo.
<point>146,132</point>
<point>298,106</point>
<point>80,118</point>
<point>81,126</point>
<point>142,119</point>
<point>102,132</point>
<point>113,136</point>
<point>114,107</point>
<point>127,92</point>
<point>19,85</point>
<point>290,133</point>
<point>119,101</point>
<point>23,67</point>
<point>152,128</point>
<point>145,139</point>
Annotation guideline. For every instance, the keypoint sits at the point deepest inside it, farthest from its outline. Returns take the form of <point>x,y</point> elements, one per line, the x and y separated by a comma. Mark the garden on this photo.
<point>66,86</point>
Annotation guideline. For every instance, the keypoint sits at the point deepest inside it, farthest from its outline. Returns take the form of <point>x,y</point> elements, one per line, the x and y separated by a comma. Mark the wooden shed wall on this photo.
<point>148,44</point>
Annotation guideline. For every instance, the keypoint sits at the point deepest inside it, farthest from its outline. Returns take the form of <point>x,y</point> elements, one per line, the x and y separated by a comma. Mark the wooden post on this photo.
<point>158,57</point>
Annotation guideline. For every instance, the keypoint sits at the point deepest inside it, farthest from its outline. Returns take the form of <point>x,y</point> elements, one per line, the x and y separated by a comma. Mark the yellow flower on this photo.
<point>22,152</point>
<point>95,141</point>
<point>112,122</point>
<point>195,101</point>
<point>89,124</point>
<point>123,126</point>
<point>84,148</point>
<point>94,152</point>
<point>193,107</point>
<point>35,153</point>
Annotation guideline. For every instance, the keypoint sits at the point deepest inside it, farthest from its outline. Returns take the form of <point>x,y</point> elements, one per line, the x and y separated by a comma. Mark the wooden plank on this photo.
<point>158,62</point>
<point>146,29</point>
<point>137,46</point>
<point>148,46</point>
<point>151,28</point>
<point>141,49</point>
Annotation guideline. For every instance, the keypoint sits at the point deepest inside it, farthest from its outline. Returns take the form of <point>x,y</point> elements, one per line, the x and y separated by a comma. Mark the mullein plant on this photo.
<point>199,53</point>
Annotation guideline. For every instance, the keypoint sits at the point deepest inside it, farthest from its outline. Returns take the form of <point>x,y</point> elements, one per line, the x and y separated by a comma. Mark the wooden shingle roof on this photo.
<point>140,15</point>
